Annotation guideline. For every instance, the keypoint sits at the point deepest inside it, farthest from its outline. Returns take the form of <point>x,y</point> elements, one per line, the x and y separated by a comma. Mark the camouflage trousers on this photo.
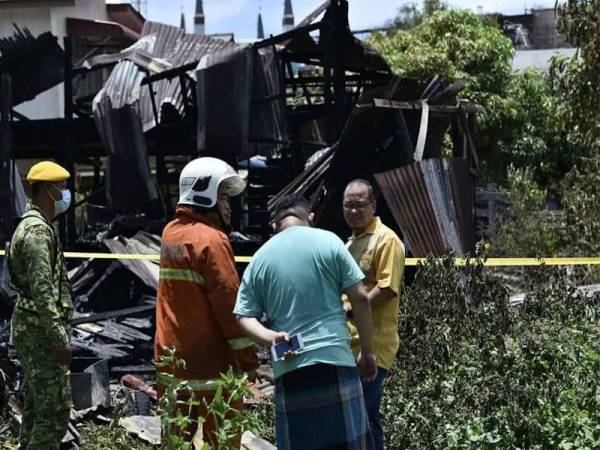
<point>47,388</point>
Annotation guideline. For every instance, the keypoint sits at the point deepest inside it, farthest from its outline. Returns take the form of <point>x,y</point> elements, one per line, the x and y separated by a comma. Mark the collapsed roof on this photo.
<point>21,56</point>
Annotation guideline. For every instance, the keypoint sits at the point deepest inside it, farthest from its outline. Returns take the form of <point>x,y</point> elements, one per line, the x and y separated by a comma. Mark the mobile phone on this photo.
<point>279,350</point>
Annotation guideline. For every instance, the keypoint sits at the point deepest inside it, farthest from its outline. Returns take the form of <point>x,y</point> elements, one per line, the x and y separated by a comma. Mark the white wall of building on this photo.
<point>539,59</point>
<point>41,17</point>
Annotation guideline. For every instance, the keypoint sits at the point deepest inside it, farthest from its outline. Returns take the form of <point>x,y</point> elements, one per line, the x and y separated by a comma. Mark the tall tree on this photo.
<point>576,80</point>
<point>431,6</point>
<point>410,15</point>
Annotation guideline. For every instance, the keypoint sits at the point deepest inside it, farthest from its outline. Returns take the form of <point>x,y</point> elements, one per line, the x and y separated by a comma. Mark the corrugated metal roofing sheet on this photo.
<point>432,202</point>
<point>123,109</point>
<point>178,48</point>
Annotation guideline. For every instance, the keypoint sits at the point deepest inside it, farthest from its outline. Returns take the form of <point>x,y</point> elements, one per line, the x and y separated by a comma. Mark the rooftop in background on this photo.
<point>533,31</point>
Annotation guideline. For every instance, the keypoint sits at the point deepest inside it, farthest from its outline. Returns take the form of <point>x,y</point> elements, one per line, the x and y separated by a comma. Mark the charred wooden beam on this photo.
<point>113,314</point>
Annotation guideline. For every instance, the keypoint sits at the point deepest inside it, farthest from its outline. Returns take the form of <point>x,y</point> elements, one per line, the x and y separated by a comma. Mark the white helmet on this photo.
<point>200,180</point>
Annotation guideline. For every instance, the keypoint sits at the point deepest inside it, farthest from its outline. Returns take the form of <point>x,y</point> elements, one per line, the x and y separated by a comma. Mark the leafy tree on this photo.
<point>576,79</point>
<point>532,135</point>
<point>457,45</point>
<point>410,15</point>
<point>529,120</point>
<point>431,6</point>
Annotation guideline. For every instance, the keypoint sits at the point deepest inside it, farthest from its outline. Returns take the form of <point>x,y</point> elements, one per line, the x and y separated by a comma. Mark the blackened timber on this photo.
<point>22,56</point>
<point>18,115</point>
<point>71,233</point>
<point>113,314</point>
<point>339,71</point>
<point>153,101</point>
<point>287,35</point>
<point>126,333</point>
<point>107,351</point>
<point>313,15</point>
<point>170,73</point>
<point>115,331</point>
<point>6,155</point>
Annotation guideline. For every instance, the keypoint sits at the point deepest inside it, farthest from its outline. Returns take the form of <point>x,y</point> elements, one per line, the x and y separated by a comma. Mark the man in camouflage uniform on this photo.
<point>40,324</point>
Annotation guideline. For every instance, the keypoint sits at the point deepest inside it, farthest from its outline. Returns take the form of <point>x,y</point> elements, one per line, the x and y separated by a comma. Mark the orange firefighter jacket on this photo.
<point>196,294</point>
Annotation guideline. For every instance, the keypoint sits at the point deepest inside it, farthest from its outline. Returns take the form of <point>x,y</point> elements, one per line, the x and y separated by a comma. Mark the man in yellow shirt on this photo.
<point>380,254</point>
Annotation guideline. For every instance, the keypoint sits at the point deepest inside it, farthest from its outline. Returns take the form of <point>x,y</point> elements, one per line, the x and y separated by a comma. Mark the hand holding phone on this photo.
<point>286,349</point>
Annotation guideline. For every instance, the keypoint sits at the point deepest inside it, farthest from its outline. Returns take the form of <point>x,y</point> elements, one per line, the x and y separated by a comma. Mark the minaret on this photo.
<point>288,16</point>
<point>199,18</point>
<point>182,23</point>
<point>260,33</point>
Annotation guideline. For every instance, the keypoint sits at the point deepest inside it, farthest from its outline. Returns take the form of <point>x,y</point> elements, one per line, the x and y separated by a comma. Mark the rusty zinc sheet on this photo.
<point>432,202</point>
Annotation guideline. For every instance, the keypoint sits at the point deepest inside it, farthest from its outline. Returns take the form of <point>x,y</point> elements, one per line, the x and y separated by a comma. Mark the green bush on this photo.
<point>530,230</point>
<point>574,230</point>
<point>476,373</point>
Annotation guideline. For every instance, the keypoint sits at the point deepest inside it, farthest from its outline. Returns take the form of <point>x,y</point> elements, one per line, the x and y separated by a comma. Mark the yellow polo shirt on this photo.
<point>380,254</point>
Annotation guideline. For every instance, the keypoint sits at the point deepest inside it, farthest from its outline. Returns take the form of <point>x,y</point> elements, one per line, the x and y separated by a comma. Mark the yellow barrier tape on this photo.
<point>491,262</point>
<point>119,256</point>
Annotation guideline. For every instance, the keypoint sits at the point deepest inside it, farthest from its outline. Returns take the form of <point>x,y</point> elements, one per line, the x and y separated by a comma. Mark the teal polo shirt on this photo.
<point>296,280</point>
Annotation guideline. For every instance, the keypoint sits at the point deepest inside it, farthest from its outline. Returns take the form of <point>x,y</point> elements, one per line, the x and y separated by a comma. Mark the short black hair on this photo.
<point>292,205</point>
<point>369,186</point>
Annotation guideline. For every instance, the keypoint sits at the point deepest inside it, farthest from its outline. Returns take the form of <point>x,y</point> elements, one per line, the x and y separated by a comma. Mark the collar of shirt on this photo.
<point>190,213</point>
<point>33,209</point>
<point>371,229</point>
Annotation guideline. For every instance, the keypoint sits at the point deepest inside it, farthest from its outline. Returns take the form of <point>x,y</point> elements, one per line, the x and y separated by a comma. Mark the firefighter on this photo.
<point>41,319</point>
<point>198,286</point>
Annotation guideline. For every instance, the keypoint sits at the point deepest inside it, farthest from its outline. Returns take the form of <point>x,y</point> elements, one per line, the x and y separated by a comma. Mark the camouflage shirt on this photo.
<point>39,275</point>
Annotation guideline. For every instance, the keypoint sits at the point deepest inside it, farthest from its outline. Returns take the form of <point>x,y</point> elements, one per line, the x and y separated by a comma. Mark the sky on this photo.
<point>240,16</point>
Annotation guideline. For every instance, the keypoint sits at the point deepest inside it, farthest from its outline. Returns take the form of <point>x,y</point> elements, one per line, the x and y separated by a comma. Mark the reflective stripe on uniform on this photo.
<point>168,273</point>
<point>240,343</point>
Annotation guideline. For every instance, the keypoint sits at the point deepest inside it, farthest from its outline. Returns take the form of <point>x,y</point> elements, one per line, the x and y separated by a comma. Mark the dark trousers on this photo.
<point>373,392</point>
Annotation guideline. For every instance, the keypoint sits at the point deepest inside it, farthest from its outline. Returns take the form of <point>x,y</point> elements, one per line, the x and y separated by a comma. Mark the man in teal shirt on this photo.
<point>296,281</point>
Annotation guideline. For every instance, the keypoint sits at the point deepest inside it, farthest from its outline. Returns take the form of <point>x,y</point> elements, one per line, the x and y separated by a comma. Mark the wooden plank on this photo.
<point>113,314</point>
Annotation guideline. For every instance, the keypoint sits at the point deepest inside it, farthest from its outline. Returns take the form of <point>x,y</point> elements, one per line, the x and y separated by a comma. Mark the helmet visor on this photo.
<point>234,184</point>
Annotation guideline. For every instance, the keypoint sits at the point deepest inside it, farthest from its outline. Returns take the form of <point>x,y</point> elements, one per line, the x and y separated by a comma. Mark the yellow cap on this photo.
<point>47,171</point>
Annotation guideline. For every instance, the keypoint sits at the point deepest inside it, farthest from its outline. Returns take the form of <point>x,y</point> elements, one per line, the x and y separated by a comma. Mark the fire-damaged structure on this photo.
<point>327,97</point>
<point>19,55</point>
<point>304,111</point>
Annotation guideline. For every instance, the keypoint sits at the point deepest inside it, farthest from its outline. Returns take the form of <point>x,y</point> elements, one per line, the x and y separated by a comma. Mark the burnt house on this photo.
<point>304,111</point>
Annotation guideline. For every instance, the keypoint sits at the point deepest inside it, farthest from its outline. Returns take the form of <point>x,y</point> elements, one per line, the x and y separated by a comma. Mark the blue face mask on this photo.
<point>61,205</point>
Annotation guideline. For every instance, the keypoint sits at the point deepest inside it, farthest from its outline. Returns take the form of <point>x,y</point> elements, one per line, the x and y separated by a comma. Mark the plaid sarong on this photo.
<point>321,407</point>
